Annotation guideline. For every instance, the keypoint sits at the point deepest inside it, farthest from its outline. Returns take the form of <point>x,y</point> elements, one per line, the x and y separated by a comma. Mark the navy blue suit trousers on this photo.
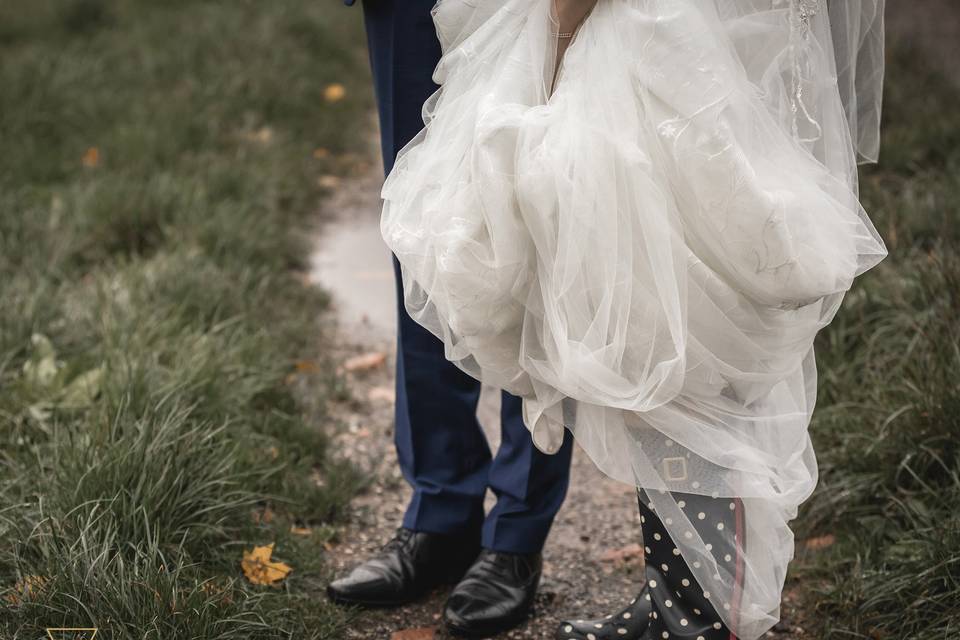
<point>443,452</point>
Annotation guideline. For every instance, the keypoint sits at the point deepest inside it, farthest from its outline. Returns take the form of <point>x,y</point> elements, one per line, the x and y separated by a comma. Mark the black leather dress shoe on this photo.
<point>496,594</point>
<point>406,568</point>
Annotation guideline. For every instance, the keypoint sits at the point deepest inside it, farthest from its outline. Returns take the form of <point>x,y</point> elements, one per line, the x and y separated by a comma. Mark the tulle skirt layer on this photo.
<point>645,249</point>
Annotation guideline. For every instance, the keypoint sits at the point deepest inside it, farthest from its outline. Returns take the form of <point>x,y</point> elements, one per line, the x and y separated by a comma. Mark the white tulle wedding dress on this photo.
<point>645,248</point>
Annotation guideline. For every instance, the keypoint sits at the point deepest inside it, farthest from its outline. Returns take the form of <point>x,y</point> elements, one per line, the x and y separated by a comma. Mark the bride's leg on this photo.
<point>680,608</point>
<point>672,604</point>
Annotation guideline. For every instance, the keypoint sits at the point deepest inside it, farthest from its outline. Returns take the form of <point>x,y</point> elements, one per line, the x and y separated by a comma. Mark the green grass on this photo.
<point>887,428</point>
<point>158,187</point>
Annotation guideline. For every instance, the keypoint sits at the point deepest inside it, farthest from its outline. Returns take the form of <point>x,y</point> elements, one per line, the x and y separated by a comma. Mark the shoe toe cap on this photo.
<point>362,584</point>
<point>468,613</point>
<point>601,629</point>
<point>464,610</point>
<point>577,630</point>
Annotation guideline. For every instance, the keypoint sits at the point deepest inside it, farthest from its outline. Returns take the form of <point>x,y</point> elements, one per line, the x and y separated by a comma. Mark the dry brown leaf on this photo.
<point>422,633</point>
<point>215,590</point>
<point>306,366</point>
<point>365,362</point>
<point>382,394</point>
<point>334,92</point>
<point>363,432</point>
<point>25,588</point>
<point>623,554</point>
<point>820,542</point>
<point>300,531</point>
<point>260,569</point>
<point>263,516</point>
<point>320,153</point>
<point>91,157</point>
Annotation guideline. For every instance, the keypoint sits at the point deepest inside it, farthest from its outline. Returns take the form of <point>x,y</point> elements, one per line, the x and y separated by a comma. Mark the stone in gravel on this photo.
<point>628,553</point>
<point>365,361</point>
<point>382,394</point>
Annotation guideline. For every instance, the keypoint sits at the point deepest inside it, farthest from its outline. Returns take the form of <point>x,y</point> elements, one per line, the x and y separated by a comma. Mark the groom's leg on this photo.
<point>530,486</point>
<point>404,51</point>
<point>442,450</point>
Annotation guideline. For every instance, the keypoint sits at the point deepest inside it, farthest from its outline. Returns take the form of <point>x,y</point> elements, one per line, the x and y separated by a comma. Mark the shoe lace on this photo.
<point>491,564</point>
<point>400,540</point>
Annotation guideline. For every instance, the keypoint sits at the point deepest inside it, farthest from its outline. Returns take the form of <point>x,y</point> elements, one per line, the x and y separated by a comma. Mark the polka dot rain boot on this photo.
<point>628,624</point>
<point>679,608</point>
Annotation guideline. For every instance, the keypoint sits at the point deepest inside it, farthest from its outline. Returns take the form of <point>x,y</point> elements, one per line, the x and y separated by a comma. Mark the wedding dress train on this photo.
<point>644,249</point>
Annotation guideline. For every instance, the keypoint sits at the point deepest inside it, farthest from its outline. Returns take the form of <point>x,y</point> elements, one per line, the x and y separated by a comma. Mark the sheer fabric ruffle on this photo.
<point>645,251</point>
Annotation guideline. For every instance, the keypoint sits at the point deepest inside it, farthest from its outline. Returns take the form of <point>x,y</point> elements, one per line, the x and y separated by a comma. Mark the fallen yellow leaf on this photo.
<point>334,92</point>
<point>300,531</point>
<point>91,158</point>
<point>260,569</point>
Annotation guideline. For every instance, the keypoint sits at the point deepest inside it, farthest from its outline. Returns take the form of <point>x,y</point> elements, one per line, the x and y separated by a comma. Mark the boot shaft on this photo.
<point>681,608</point>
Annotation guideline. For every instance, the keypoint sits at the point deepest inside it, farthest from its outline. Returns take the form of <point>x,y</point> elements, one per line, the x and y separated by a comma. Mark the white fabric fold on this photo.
<point>646,253</point>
